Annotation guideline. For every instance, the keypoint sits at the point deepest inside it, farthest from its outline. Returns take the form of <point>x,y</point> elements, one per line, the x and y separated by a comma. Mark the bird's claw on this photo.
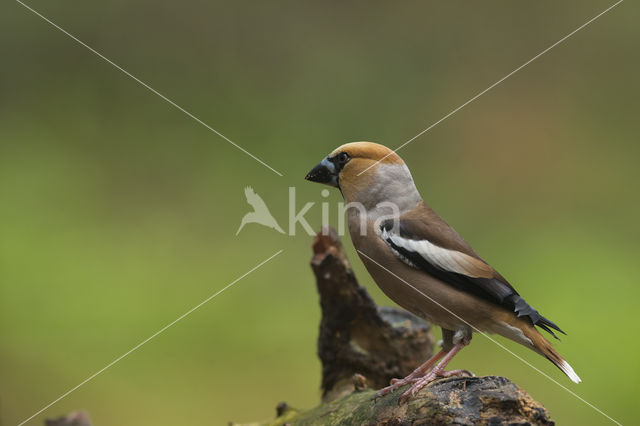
<point>395,385</point>
<point>416,387</point>
<point>430,378</point>
<point>457,373</point>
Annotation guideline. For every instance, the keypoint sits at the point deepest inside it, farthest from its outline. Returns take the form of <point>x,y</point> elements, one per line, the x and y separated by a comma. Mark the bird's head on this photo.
<point>363,171</point>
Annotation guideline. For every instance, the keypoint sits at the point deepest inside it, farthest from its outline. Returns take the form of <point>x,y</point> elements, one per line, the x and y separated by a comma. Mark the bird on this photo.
<point>260,213</point>
<point>421,263</point>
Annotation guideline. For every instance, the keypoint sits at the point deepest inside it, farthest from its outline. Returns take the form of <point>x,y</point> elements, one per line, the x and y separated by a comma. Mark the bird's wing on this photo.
<point>423,240</point>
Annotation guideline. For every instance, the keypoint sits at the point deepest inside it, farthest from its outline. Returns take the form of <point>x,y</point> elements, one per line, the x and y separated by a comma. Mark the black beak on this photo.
<point>324,173</point>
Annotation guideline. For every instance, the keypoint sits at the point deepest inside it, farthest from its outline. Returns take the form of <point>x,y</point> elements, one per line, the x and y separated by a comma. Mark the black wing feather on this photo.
<point>491,289</point>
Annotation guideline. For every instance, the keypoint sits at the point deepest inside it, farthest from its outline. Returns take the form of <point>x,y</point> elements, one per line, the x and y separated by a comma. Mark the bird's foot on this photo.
<point>396,384</point>
<point>417,385</point>
<point>415,375</point>
<point>431,377</point>
<point>457,373</point>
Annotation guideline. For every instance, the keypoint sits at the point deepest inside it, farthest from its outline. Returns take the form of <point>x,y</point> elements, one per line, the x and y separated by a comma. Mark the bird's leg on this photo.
<point>438,371</point>
<point>446,344</point>
<point>421,370</point>
<point>414,376</point>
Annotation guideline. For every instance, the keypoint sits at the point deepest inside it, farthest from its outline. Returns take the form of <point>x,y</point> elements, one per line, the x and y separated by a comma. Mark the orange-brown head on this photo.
<point>358,168</point>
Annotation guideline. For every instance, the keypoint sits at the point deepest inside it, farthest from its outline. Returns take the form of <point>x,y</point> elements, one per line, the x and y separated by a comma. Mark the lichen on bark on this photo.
<point>487,400</point>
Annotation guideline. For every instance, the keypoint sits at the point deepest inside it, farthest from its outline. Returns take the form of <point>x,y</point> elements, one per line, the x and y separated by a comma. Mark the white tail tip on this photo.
<point>566,368</point>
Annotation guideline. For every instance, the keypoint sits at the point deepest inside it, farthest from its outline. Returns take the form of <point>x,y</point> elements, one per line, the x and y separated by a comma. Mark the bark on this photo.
<point>356,336</point>
<point>456,401</point>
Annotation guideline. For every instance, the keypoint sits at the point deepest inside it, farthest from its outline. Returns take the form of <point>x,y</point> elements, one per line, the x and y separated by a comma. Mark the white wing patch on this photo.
<point>449,260</point>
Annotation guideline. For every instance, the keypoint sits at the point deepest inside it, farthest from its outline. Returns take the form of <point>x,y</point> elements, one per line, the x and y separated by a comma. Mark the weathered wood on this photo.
<point>356,336</point>
<point>455,401</point>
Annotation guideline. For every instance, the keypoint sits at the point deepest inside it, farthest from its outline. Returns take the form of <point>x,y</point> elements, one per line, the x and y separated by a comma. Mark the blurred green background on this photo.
<point>118,213</point>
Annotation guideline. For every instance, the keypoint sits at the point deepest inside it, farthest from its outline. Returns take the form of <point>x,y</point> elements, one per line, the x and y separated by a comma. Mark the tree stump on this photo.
<point>487,400</point>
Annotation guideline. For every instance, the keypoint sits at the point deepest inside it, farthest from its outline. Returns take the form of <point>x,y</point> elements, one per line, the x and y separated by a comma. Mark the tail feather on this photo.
<point>544,348</point>
<point>566,369</point>
<point>523,309</point>
<point>547,325</point>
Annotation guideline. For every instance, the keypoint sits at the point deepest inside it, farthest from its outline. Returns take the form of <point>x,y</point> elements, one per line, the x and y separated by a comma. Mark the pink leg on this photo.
<point>438,371</point>
<point>414,376</point>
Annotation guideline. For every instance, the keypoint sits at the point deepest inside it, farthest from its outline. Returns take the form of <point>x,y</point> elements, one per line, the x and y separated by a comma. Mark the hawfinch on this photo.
<point>422,264</point>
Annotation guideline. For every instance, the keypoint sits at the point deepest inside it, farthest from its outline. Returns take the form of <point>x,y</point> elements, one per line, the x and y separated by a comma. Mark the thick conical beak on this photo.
<point>324,172</point>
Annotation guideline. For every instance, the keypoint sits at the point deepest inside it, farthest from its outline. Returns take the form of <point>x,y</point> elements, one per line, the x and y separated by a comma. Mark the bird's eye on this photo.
<point>343,157</point>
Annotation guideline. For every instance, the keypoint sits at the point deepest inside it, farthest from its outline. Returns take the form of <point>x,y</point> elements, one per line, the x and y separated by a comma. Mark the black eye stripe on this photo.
<point>339,160</point>
<point>341,157</point>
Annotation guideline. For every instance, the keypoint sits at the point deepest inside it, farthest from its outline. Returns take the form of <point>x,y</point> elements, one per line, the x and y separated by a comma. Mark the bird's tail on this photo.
<point>544,348</point>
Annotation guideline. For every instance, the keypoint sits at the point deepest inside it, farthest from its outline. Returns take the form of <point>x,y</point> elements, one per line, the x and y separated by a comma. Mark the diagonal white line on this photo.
<point>476,329</point>
<point>88,379</point>
<point>146,86</point>
<point>495,84</point>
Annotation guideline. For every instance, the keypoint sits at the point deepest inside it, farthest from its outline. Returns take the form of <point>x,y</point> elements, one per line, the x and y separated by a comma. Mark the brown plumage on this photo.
<point>409,249</point>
